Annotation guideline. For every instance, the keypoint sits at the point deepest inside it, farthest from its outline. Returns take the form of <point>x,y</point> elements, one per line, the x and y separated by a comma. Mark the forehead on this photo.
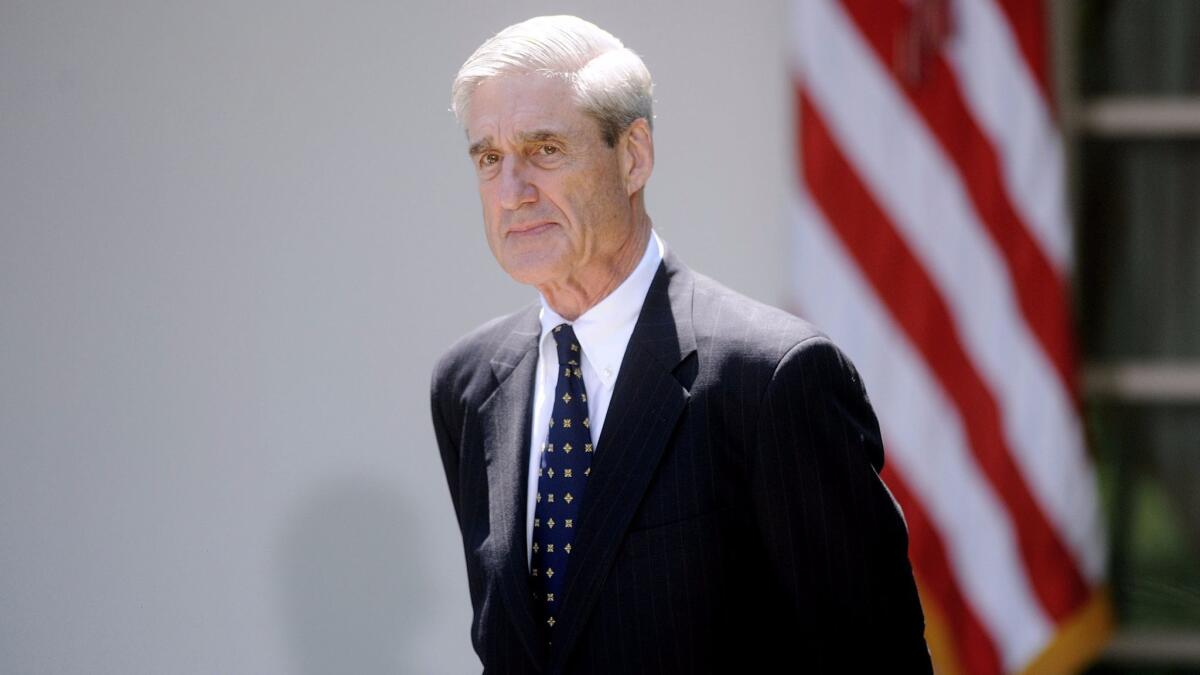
<point>505,107</point>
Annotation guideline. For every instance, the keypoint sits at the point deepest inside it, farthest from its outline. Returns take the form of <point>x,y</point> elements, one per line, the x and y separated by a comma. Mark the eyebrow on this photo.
<point>479,146</point>
<point>484,144</point>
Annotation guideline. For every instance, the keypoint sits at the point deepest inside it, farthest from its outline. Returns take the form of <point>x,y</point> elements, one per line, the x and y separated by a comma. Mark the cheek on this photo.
<point>486,195</point>
<point>488,205</point>
<point>583,201</point>
<point>598,203</point>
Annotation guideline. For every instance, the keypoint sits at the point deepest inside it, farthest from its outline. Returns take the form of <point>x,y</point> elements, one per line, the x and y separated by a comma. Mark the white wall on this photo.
<point>234,237</point>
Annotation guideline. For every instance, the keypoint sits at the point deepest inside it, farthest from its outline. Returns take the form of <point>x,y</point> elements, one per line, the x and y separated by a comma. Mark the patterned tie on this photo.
<point>565,465</point>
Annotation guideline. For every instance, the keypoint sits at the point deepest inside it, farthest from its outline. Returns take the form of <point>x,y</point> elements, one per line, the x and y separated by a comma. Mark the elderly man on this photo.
<point>651,473</point>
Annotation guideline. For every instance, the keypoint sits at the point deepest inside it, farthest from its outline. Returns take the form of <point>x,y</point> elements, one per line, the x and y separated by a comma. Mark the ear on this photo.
<point>636,149</point>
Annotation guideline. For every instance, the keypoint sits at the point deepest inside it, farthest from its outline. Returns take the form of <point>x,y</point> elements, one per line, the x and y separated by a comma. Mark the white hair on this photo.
<point>611,83</point>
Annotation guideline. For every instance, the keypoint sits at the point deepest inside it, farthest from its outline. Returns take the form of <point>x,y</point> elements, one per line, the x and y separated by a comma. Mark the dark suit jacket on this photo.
<point>734,519</point>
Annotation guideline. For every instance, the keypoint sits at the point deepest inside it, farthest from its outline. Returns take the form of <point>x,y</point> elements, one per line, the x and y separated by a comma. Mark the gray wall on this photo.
<point>234,237</point>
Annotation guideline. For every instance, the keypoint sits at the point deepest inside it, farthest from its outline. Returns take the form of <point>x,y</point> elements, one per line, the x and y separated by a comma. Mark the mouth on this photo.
<point>530,229</point>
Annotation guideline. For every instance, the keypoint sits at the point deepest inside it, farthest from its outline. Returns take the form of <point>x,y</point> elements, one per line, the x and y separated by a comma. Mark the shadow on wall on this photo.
<point>351,579</point>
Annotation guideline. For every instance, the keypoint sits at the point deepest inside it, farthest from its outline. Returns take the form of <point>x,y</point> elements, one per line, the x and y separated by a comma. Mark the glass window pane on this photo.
<point>1138,230</point>
<point>1150,458</point>
<point>1139,47</point>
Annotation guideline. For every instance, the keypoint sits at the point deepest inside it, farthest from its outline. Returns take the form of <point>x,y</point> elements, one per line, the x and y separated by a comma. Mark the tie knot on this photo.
<point>568,344</point>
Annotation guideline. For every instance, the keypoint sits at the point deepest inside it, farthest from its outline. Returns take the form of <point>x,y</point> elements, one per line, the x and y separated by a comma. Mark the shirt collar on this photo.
<point>615,315</point>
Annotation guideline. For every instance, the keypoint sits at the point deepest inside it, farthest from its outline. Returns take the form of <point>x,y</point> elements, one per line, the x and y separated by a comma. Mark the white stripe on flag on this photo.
<point>925,440</point>
<point>912,180</point>
<point>1007,102</point>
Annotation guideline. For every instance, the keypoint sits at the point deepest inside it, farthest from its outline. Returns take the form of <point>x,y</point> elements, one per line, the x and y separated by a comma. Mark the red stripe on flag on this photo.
<point>1027,19</point>
<point>916,305</point>
<point>974,647</point>
<point>1040,290</point>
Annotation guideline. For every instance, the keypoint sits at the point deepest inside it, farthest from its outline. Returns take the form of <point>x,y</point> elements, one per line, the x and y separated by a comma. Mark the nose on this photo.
<point>515,187</point>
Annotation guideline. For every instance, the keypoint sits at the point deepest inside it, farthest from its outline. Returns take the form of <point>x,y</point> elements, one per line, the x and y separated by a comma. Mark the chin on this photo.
<point>531,276</point>
<point>534,268</point>
<point>533,273</point>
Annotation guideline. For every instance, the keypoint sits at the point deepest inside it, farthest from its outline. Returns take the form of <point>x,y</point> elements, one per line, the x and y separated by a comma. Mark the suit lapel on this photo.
<point>505,420</point>
<point>646,403</point>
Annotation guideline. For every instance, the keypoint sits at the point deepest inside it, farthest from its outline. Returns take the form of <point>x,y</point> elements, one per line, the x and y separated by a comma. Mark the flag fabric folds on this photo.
<point>932,244</point>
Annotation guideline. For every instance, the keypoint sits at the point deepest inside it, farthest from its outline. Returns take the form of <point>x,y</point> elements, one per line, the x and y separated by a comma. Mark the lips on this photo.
<point>530,229</point>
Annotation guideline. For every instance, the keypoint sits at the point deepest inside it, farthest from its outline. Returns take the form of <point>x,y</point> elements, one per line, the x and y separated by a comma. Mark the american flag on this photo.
<point>933,245</point>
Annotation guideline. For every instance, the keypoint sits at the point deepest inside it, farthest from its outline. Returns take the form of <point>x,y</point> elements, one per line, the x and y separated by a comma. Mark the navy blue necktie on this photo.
<point>562,474</point>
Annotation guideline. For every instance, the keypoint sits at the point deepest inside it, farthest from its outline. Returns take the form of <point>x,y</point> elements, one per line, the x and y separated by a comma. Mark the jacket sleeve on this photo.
<point>447,446</point>
<point>835,539</point>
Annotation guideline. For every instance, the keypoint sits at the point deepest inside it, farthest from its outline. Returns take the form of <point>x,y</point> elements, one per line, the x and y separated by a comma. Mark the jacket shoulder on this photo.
<point>466,363</point>
<point>759,353</point>
<point>739,328</point>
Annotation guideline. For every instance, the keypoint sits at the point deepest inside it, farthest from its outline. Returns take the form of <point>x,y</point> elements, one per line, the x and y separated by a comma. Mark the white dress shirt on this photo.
<point>603,332</point>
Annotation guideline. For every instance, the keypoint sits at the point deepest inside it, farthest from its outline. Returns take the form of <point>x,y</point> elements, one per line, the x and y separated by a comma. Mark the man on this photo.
<point>651,473</point>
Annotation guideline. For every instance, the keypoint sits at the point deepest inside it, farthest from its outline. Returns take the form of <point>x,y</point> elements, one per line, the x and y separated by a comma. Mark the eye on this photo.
<point>547,150</point>
<point>488,159</point>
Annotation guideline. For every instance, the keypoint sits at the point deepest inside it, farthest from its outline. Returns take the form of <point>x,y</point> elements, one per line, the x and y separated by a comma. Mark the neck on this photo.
<point>574,296</point>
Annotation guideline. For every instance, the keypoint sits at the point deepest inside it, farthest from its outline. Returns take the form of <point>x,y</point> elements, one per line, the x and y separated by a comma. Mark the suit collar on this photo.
<point>604,330</point>
<point>664,328</point>
<point>516,345</point>
<point>504,422</point>
<point>648,399</point>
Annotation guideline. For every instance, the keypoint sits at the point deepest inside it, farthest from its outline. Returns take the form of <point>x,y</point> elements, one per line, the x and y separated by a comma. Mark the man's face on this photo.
<point>555,202</point>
